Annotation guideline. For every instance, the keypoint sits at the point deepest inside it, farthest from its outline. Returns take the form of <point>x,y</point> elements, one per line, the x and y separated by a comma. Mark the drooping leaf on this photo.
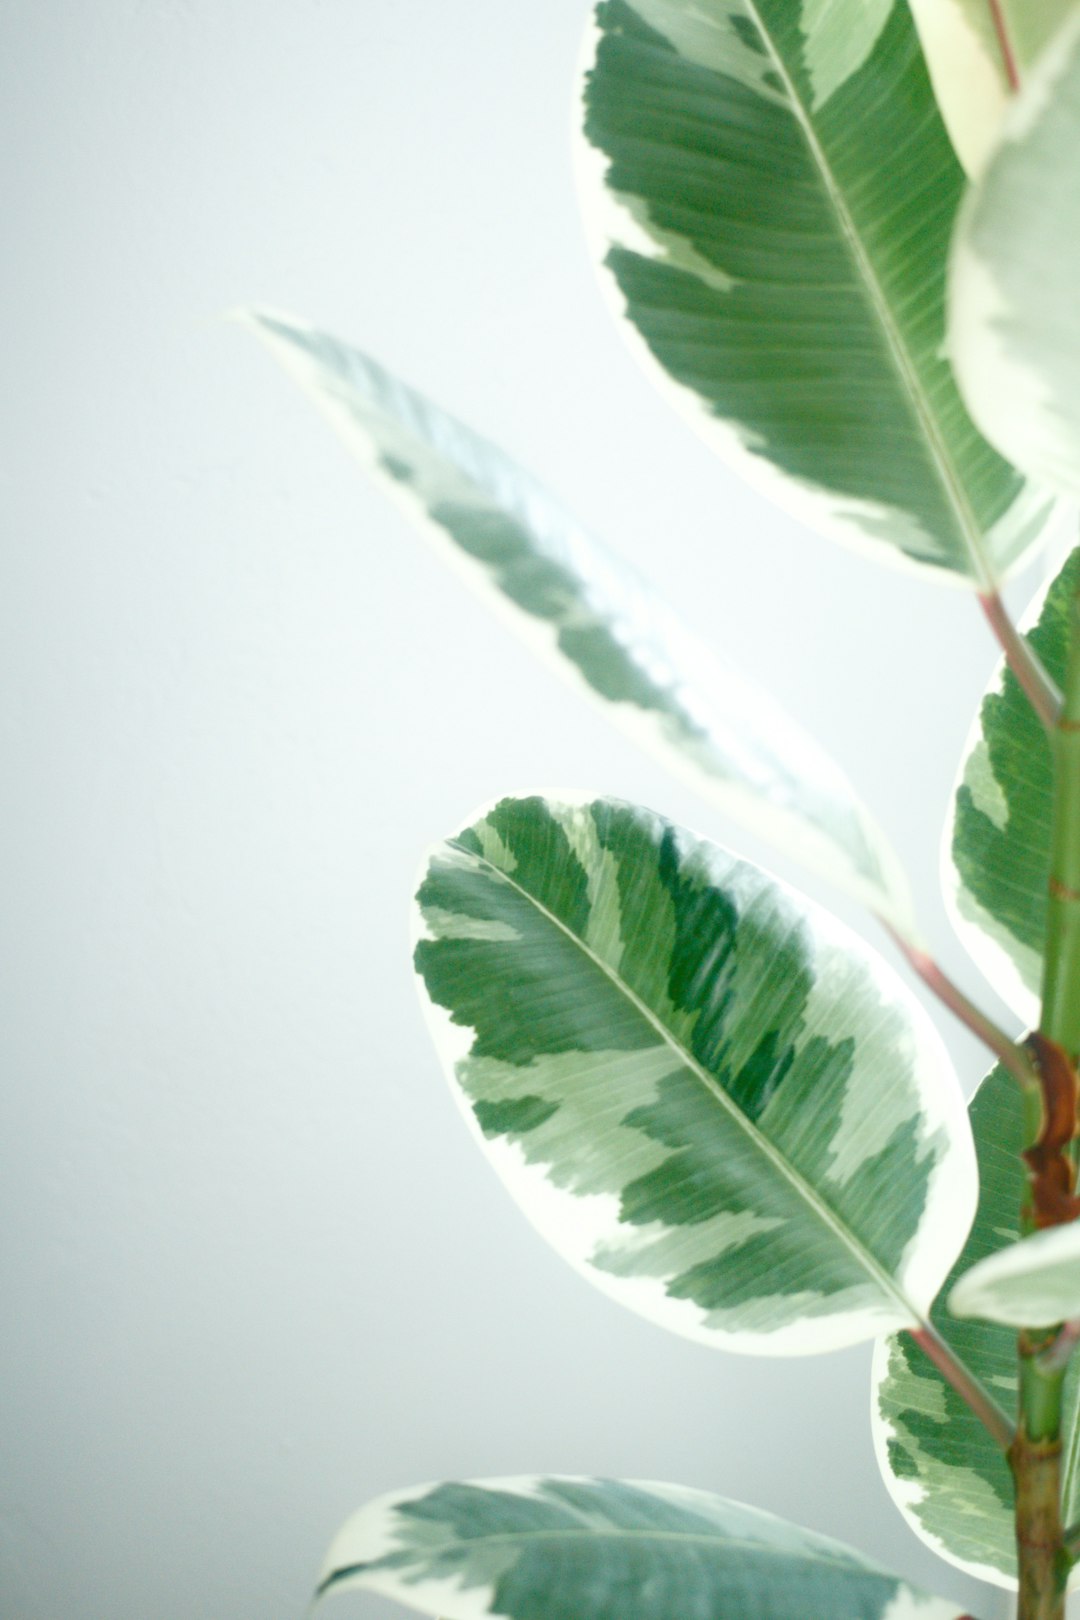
<point>596,1549</point>
<point>597,621</point>
<point>717,1103</point>
<point>949,1478</point>
<point>771,189</point>
<point>965,55</point>
<point>1014,321</point>
<point>1031,1284</point>
<point>999,839</point>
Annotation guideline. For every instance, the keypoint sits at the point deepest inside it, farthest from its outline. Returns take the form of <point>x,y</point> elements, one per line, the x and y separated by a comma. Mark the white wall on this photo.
<point>253,1270</point>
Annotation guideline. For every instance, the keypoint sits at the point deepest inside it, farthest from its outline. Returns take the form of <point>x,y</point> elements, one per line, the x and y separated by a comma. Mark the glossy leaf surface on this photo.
<point>714,1100</point>
<point>771,189</point>
<point>595,1549</point>
<point>943,1470</point>
<point>999,840</point>
<point>597,621</point>
<point>1014,320</point>
<point>1031,1284</point>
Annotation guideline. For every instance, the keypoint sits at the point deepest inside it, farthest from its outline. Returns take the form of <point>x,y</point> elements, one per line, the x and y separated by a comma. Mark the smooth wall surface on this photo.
<point>253,1270</point>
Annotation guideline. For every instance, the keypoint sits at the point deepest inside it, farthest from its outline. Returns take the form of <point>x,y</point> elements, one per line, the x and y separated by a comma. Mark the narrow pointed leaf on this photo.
<point>597,621</point>
<point>998,863</point>
<point>601,1549</point>
<point>771,189</point>
<point>942,1468</point>
<point>714,1100</point>
<point>1014,320</point>
<point>1030,1284</point>
<point>966,56</point>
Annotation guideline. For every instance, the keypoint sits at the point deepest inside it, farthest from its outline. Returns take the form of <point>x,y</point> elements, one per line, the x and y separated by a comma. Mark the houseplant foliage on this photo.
<point>841,238</point>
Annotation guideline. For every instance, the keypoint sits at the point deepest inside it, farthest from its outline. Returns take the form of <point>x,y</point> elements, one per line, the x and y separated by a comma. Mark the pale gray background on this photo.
<point>254,1271</point>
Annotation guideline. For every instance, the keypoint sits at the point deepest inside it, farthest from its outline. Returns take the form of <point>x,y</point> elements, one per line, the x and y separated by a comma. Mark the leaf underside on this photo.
<point>596,621</point>
<point>718,1104</point>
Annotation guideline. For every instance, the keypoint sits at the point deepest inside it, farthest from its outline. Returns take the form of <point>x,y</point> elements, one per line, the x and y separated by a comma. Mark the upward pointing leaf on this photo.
<point>604,1549</point>
<point>715,1101</point>
<point>1014,319</point>
<point>599,623</point>
<point>772,191</point>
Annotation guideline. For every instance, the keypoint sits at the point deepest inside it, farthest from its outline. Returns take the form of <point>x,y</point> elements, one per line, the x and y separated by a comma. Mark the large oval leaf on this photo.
<point>1014,322</point>
<point>973,59</point>
<point>714,1100</point>
<point>772,191</point>
<point>596,1549</point>
<point>1031,1284</point>
<point>597,621</point>
<point>949,1478</point>
<point>998,843</point>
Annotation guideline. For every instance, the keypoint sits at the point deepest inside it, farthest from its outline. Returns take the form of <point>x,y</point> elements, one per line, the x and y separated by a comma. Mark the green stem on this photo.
<point>1050,1129</point>
<point>1061,973</point>
<point>1035,1457</point>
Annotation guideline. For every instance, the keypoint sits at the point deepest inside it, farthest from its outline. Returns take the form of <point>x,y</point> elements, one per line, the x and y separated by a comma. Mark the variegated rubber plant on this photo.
<point>821,223</point>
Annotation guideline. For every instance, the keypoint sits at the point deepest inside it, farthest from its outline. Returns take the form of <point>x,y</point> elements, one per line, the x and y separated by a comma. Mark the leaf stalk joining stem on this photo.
<point>1035,683</point>
<point>1042,1550</point>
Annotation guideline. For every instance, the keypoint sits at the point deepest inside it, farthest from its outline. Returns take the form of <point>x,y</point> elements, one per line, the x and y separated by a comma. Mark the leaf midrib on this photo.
<point>903,364</point>
<point>902,361</point>
<point>719,1541</point>
<point>774,1157</point>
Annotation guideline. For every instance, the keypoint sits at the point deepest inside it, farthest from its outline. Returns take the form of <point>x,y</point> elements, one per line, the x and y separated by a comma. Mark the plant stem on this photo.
<point>1008,55</point>
<point>1008,1052</point>
<point>1061,974</point>
<point>966,1385</point>
<point>1035,1455</point>
<point>1035,683</point>
<point>1056,1356</point>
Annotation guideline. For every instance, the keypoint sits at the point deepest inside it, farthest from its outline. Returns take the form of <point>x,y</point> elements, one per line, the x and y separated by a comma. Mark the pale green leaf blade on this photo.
<point>1032,1284</point>
<point>715,1101</point>
<point>773,213</point>
<point>949,1478</point>
<point>997,860</point>
<point>1014,318</point>
<point>596,621</point>
<point>544,1548</point>
<point>967,65</point>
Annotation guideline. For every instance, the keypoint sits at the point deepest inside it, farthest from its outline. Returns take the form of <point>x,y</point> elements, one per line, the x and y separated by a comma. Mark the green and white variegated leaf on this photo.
<point>966,60</point>
<point>1014,320</point>
<point>1033,1284</point>
<point>997,858</point>
<point>602,1549</point>
<point>714,1100</point>
<point>771,190</point>
<point>597,621</point>
<point>942,1468</point>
